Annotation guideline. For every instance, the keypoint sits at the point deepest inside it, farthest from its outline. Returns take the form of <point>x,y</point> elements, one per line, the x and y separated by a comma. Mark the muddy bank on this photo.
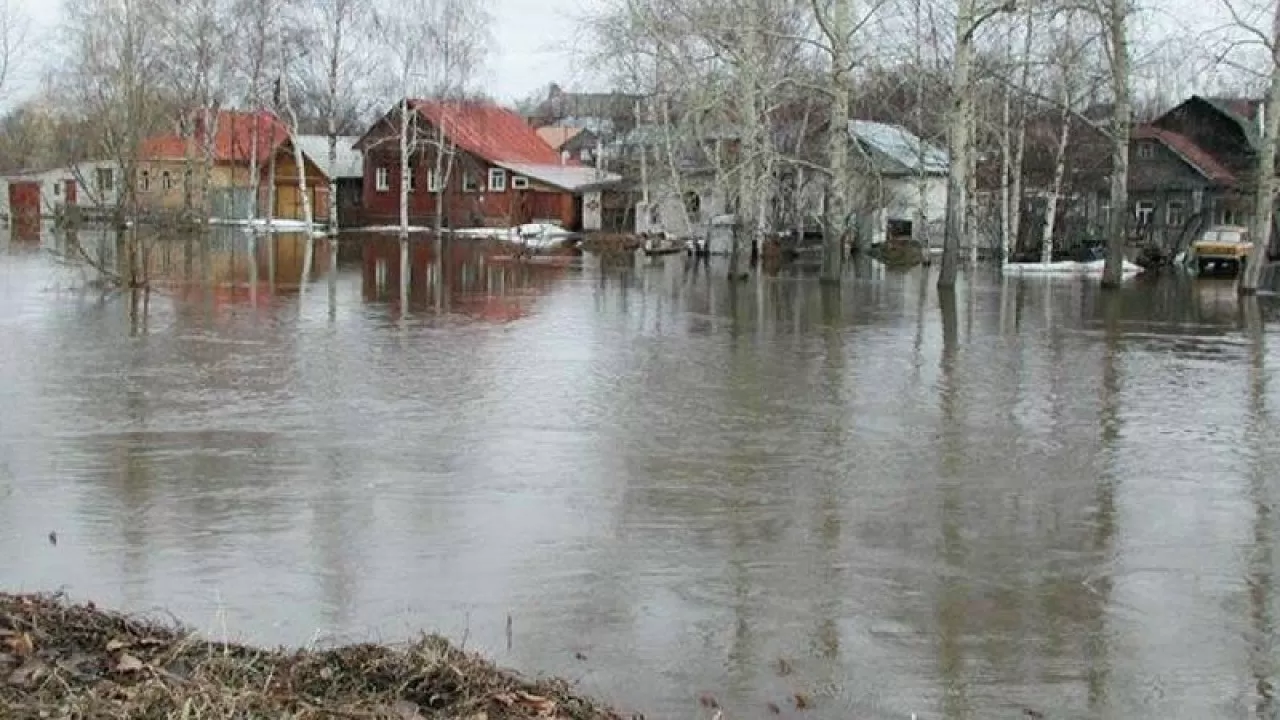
<point>58,659</point>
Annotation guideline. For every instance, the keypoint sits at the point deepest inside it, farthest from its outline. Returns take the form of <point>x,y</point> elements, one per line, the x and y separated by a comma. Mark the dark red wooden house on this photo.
<point>502,174</point>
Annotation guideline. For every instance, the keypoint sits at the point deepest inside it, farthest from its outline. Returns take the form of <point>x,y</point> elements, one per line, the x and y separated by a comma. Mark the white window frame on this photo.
<point>470,183</point>
<point>413,178</point>
<point>166,180</point>
<point>1146,150</point>
<point>519,182</point>
<point>382,179</point>
<point>1168,213</point>
<point>433,181</point>
<point>107,174</point>
<point>144,180</point>
<point>497,180</point>
<point>1144,208</point>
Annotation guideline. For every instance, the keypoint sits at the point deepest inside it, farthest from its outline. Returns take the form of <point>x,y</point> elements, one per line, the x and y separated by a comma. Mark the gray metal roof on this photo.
<point>573,178</point>
<point>350,162</point>
<point>903,150</point>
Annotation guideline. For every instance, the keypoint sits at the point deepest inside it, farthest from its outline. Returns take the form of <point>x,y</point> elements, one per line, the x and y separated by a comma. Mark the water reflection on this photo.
<point>1020,495</point>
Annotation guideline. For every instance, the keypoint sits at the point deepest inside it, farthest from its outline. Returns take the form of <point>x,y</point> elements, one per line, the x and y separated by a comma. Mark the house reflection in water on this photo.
<point>234,262</point>
<point>471,278</point>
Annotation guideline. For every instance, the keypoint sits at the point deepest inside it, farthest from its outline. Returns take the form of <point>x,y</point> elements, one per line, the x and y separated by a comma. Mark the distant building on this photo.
<point>503,173</point>
<point>93,188</point>
<point>576,143</point>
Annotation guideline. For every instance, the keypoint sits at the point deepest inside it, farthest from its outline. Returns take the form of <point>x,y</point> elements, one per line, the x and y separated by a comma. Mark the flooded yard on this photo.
<point>1029,497</point>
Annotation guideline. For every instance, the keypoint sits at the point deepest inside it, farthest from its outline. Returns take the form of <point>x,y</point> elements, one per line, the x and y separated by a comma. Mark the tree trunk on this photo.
<point>1264,198</point>
<point>335,62</point>
<point>958,143</point>
<point>1059,174</point>
<point>254,181</point>
<point>404,168</point>
<point>271,189</point>
<point>971,188</point>
<point>835,238</point>
<point>1113,271</point>
<point>1020,141</point>
<point>1006,169</point>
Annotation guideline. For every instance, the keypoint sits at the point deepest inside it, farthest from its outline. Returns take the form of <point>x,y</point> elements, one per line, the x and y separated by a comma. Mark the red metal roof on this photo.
<point>1204,162</point>
<point>233,139</point>
<point>489,131</point>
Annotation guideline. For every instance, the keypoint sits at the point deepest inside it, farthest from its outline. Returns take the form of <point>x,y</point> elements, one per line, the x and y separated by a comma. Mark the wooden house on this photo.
<point>163,185</point>
<point>578,143</point>
<point>502,173</point>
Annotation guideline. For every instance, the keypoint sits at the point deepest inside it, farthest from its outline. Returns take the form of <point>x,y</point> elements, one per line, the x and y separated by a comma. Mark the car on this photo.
<point>1222,248</point>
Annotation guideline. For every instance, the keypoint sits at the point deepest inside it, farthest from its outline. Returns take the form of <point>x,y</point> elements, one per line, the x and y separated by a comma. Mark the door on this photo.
<point>69,191</point>
<point>288,202</point>
<point>592,211</point>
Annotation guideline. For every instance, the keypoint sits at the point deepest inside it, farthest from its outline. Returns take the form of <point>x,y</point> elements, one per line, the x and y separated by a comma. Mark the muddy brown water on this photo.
<point>1029,497</point>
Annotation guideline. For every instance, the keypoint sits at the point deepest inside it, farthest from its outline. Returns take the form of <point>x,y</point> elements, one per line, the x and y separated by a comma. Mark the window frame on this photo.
<point>470,183</point>
<point>500,175</point>
<point>1141,208</point>
<point>519,182</point>
<point>382,179</point>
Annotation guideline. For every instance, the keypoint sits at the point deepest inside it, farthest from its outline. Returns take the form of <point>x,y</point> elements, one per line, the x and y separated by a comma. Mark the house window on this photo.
<point>105,179</point>
<point>166,180</point>
<point>469,182</point>
<point>1146,150</point>
<point>433,181</point>
<point>57,189</point>
<point>144,181</point>
<point>413,178</point>
<point>497,180</point>
<point>1174,215</point>
<point>519,182</point>
<point>382,179</point>
<point>584,154</point>
<point>1144,211</point>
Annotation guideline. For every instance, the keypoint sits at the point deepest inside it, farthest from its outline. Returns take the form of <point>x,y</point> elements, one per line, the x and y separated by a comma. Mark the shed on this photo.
<point>347,172</point>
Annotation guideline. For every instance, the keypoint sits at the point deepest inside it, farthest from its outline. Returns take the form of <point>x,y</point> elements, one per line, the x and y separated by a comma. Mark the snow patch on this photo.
<point>1068,267</point>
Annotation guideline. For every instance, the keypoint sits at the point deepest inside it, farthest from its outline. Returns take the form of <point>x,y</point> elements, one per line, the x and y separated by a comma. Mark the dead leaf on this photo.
<point>128,663</point>
<point>708,701</point>
<point>7,659</point>
<point>326,673</point>
<point>25,675</point>
<point>773,708</point>
<point>117,644</point>
<point>505,698</point>
<point>406,710</point>
<point>802,701</point>
<point>21,644</point>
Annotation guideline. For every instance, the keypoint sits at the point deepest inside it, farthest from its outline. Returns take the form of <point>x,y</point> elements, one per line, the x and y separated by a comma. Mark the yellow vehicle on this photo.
<point>1222,248</point>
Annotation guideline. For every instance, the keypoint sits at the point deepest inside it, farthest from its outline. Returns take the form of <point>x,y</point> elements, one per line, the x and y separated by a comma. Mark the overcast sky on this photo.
<point>535,40</point>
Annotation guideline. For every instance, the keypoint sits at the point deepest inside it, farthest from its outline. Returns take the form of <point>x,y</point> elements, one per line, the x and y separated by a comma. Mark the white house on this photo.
<point>899,174</point>
<point>90,186</point>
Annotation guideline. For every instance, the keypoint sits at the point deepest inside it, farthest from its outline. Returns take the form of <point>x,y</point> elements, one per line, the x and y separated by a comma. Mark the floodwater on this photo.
<point>1028,497</point>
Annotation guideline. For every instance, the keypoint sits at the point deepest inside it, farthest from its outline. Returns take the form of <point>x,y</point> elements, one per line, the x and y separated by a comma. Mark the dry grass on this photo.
<point>59,660</point>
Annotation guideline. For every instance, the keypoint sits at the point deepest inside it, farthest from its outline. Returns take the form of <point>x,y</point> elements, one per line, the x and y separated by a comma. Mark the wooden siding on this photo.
<point>461,208</point>
<point>152,193</point>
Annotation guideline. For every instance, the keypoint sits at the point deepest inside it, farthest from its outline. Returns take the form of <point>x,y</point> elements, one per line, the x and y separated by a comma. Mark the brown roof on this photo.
<point>1195,156</point>
<point>557,136</point>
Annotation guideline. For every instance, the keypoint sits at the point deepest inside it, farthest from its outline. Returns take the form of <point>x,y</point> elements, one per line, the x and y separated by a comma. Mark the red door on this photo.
<point>69,189</point>
<point>24,209</point>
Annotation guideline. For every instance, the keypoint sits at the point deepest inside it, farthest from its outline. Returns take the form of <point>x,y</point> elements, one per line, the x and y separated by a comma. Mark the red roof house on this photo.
<point>165,157</point>
<point>503,173</point>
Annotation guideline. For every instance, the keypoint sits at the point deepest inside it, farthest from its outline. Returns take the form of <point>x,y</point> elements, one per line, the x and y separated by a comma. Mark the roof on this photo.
<point>233,138</point>
<point>557,136</point>
<point>350,162</point>
<point>610,104</point>
<point>488,131</point>
<point>574,178</point>
<point>898,149</point>
<point>1195,156</point>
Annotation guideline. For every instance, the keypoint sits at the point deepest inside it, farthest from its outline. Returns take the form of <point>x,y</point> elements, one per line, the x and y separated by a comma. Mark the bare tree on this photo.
<point>1113,17</point>
<point>970,16</point>
<point>1252,23</point>
<point>15,27</point>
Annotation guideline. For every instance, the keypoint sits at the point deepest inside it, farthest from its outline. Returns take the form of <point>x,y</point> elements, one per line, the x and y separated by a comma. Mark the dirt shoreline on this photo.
<point>64,660</point>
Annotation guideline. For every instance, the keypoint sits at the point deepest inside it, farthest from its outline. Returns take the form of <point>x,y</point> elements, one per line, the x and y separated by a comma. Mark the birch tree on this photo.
<point>970,16</point>
<point>1113,17</point>
<point>1068,52</point>
<point>836,18</point>
<point>340,23</point>
<point>15,27</point>
<point>1254,26</point>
